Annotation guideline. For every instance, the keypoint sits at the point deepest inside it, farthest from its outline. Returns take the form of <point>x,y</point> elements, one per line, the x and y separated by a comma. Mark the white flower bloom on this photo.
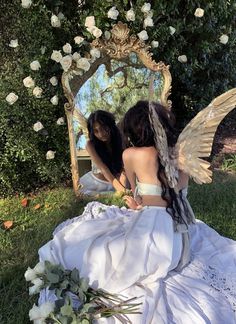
<point>34,290</point>
<point>61,121</point>
<point>78,39</point>
<point>83,64</point>
<point>155,44</point>
<point>95,53</point>
<point>26,3</point>
<point>37,282</point>
<point>224,39</point>
<point>40,267</point>
<point>50,155</point>
<point>146,7</point>
<point>13,43</point>
<point>61,16</point>
<point>143,35</point>
<point>199,12</point>
<point>55,21</point>
<point>28,82</point>
<point>148,22</point>
<point>11,98</point>
<point>37,92</point>
<point>113,13</point>
<point>96,32</point>
<point>43,49</point>
<point>172,30</point>
<point>182,59</point>
<point>76,56</point>
<point>66,62</point>
<point>37,127</point>
<point>56,56</point>
<point>89,21</point>
<point>67,48</point>
<point>39,313</point>
<point>54,100</point>
<point>54,81</point>
<point>130,15</point>
<point>107,34</point>
<point>35,65</point>
<point>30,274</point>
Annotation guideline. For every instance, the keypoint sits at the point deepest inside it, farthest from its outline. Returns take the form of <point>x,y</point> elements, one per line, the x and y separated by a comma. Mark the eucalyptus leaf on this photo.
<point>67,310</point>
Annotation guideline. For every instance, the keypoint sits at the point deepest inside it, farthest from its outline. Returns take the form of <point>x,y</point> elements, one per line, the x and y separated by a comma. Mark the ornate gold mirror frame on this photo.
<point>119,46</point>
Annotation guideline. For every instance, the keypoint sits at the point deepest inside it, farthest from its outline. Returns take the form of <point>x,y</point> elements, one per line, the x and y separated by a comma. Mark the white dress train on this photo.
<point>135,253</point>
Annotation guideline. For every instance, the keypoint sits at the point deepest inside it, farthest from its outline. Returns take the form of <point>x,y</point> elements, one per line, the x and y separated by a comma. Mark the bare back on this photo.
<point>141,163</point>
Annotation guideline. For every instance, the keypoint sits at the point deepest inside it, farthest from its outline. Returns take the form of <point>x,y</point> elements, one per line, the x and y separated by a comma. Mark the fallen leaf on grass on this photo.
<point>46,205</point>
<point>8,224</point>
<point>37,206</point>
<point>24,202</point>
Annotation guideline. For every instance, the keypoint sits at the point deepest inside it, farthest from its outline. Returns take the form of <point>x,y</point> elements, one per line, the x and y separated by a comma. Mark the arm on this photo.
<point>104,169</point>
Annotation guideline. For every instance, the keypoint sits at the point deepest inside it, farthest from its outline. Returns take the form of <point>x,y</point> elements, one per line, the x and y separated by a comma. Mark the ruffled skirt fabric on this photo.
<point>135,253</point>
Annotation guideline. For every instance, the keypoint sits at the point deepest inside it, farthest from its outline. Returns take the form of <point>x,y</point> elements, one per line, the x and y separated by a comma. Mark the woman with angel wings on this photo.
<point>181,269</point>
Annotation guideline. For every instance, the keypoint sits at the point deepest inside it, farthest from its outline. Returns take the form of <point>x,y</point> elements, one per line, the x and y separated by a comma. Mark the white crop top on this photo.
<point>147,189</point>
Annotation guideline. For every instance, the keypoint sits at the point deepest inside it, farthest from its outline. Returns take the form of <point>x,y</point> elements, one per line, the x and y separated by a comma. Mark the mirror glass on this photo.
<point>115,87</point>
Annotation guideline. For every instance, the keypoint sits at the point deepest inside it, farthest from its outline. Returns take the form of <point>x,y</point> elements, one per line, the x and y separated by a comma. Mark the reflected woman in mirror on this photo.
<point>105,149</point>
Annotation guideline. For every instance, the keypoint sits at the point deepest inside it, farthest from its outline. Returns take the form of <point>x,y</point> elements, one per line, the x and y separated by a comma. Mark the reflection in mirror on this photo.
<point>115,87</point>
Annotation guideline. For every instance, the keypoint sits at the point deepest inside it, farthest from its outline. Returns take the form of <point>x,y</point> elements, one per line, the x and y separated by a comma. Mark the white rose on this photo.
<point>148,22</point>
<point>13,43</point>
<point>182,58</point>
<point>28,82</point>
<point>130,15</point>
<point>172,30</point>
<point>55,21</point>
<point>54,81</point>
<point>56,56</point>
<point>83,64</point>
<point>61,121</point>
<point>78,39</point>
<point>50,155</point>
<point>37,127</point>
<point>96,32</point>
<point>35,65</point>
<point>107,34</point>
<point>89,21</point>
<point>54,100</point>
<point>199,13</point>
<point>67,48</point>
<point>66,62</point>
<point>224,39</point>
<point>143,35</point>
<point>61,16</point>
<point>76,56</point>
<point>155,44</point>
<point>11,98</point>
<point>30,274</point>
<point>40,267</point>
<point>26,3</point>
<point>113,13</point>
<point>37,92</point>
<point>43,49</point>
<point>95,53</point>
<point>41,312</point>
<point>146,7</point>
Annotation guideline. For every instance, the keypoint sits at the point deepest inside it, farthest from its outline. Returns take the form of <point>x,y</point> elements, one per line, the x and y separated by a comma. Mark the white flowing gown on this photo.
<point>135,253</point>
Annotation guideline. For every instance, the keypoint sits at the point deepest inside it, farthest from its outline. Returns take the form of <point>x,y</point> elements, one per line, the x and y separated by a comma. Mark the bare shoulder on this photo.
<point>138,152</point>
<point>89,144</point>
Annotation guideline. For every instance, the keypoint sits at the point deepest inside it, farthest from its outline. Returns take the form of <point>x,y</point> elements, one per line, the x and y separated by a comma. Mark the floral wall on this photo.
<point>41,39</point>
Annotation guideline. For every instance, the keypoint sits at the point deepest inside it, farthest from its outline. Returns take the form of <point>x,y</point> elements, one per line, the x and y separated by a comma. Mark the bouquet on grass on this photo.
<point>75,301</point>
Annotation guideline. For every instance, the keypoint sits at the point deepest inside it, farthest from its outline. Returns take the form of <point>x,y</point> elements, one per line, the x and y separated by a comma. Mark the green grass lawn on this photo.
<point>214,203</point>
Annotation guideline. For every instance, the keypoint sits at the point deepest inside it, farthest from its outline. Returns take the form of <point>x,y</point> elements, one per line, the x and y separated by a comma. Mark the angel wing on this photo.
<point>196,139</point>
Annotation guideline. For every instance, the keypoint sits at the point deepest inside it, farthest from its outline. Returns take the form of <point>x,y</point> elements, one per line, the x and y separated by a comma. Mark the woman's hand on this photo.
<point>131,203</point>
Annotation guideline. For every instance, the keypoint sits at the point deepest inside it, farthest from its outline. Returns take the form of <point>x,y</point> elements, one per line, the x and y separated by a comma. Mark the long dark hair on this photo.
<point>111,157</point>
<point>138,132</point>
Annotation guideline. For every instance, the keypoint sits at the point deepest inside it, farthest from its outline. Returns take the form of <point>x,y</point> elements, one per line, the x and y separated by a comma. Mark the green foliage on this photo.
<point>210,71</point>
<point>229,163</point>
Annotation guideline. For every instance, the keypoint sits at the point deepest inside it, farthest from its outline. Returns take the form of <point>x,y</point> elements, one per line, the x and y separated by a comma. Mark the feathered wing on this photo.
<point>196,139</point>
